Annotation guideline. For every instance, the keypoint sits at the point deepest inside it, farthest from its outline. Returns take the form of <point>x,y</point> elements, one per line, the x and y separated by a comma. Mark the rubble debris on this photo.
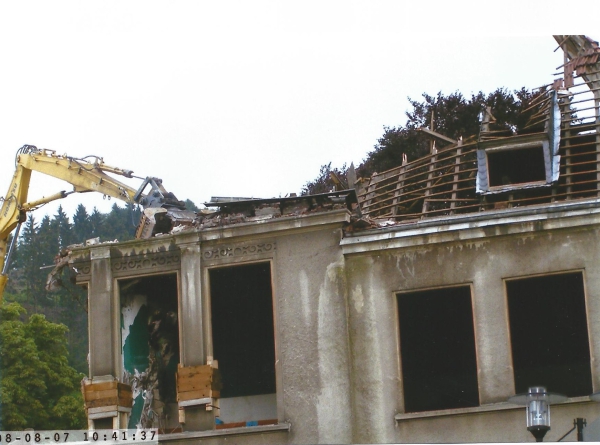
<point>61,260</point>
<point>150,345</point>
<point>159,220</point>
<point>222,212</point>
<point>239,210</point>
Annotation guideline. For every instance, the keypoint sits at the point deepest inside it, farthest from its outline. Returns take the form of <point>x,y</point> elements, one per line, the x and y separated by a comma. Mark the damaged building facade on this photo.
<point>406,310</point>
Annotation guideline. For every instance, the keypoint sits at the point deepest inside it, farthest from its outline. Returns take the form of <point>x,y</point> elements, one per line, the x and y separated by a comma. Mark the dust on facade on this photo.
<point>404,307</point>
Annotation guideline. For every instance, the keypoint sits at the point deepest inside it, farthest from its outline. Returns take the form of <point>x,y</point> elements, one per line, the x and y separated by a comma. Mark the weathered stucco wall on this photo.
<point>309,311</point>
<point>338,372</point>
<point>313,342</point>
<point>440,259</point>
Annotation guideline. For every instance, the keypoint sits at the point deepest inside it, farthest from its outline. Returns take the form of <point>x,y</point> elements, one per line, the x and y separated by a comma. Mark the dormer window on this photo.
<point>522,161</point>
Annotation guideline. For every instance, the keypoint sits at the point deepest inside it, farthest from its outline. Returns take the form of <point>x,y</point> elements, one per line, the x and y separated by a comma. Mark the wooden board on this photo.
<point>197,382</point>
<point>102,386</point>
<point>191,371</point>
<point>193,385</point>
<point>200,394</point>
<point>201,382</point>
<point>105,386</point>
<point>120,401</point>
<point>95,395</point>
<point>194,402</point>
<point>105,394</point>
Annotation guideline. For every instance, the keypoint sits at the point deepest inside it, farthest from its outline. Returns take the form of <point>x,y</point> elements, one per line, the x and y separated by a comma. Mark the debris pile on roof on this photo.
<point>241,210</point>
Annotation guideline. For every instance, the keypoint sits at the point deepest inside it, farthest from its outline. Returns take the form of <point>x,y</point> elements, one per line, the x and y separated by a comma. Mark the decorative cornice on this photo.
<point>82,267</point>
<point>127,264</point>
<point>232,251</point>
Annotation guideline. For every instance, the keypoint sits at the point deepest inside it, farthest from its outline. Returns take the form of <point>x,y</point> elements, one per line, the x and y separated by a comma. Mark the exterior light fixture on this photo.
<point>537,402</point>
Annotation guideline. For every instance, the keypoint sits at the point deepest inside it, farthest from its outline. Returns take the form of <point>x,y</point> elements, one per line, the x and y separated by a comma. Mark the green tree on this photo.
<point>62,228</point>
<point>120,223</point>
<point>96,222</point>
<point>82,226</point>
<point>455,116</point>
<point>189,205</point>
<point>46,247</point>
<point>323,183</point>
<point>38,389</point>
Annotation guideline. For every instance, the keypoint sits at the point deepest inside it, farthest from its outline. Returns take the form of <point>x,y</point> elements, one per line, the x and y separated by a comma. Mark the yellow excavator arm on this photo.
<point>85,174</point>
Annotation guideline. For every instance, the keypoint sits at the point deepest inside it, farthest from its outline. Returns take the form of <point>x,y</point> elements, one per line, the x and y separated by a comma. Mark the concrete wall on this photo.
<point>338,370</point>
<point>482,256</point>
<point>309,304</point>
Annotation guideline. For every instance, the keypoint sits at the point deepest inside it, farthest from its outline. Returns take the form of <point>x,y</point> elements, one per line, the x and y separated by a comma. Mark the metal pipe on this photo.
<point>11,250</point>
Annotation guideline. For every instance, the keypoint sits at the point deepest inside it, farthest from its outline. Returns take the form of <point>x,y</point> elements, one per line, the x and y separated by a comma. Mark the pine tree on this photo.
<point>82,225</point>
<point>189,205</point>
<point>120,224</point>
<point>62,228</point>
<point>96,223</point>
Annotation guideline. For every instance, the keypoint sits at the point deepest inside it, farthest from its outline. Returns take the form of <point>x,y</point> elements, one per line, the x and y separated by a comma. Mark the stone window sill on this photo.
<point>261,429</point>
<point>477,409</point>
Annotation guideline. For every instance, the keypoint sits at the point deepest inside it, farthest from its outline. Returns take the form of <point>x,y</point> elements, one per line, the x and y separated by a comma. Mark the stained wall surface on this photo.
<point>309,315</point>
<point>338,360</point>
<point>481,255</point>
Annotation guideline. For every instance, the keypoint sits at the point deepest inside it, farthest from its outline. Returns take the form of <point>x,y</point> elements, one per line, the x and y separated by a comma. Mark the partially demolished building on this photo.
<point>406,310</point>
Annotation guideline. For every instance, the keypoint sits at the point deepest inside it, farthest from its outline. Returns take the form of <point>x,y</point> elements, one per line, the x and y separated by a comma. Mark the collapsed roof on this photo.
<point>555,158</point>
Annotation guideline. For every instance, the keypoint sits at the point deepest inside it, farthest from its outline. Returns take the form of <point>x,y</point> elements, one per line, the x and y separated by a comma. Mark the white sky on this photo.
<point>248,98</point>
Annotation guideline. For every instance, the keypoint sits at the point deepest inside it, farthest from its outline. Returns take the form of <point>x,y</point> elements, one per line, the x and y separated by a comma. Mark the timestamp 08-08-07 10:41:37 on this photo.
<point>129,436</point>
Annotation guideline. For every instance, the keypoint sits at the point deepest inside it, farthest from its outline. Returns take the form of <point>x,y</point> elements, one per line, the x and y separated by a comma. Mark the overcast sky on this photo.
<point>247,98</point>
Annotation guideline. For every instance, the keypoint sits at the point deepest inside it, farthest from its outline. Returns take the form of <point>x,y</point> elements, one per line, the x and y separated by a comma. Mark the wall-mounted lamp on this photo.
<point>537,402</point>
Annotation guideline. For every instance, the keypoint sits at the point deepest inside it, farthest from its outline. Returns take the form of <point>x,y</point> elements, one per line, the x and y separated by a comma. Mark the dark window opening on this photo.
<point>549,334</point>
<point>518,166</point>
<point>437,345</point>
<point>150,342</point>
<point>242,329</point>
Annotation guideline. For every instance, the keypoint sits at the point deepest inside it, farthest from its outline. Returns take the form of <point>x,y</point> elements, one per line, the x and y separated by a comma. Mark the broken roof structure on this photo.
<point>408,309</point>
<point>553,160</point>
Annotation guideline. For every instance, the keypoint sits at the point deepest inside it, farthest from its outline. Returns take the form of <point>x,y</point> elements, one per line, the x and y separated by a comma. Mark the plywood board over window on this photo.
<point>549,334</point>
<point>437,348</point>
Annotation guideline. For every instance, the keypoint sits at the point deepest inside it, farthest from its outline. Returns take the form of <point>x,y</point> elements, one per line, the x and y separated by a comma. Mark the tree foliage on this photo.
<point>42,358</point>
<point>39,243</point>
<point>324,183</point>
<point>455,116</point>
<point>38,387</point>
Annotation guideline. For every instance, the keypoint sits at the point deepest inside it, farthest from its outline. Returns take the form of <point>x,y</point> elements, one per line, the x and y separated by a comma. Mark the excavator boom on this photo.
<point>85,175</point>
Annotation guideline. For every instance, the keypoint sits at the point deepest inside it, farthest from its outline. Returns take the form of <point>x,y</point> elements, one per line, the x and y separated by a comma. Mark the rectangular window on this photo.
<point>437,346</point>
<point>517,162</point>
<point>244,342</point>
<point>549,335</point>
<point>150,348</point>
<point>520,166</point>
